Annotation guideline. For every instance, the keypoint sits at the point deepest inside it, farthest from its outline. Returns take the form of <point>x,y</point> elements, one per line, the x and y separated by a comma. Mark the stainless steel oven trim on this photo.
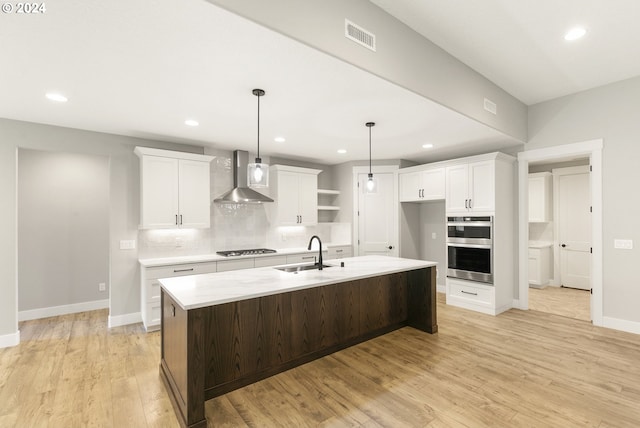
<point>486,278</point>
<point>470,242</point>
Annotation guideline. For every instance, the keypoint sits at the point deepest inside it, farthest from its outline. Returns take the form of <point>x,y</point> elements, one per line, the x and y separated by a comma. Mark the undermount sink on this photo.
<point>299,268</point>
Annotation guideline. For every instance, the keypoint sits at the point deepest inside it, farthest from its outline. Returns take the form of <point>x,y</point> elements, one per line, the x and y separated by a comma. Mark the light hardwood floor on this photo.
<point>568,302</point>
<point>519,369</point>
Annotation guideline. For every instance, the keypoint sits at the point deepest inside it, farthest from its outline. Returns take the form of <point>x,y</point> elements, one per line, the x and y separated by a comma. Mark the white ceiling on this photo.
<point>519,45</point>
<point>142,67</point>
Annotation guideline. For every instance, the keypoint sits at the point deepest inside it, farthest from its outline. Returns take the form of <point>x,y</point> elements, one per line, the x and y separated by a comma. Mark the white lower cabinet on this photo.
<point>475,296</point>
<point>150,287</point>
<point>310,257</point>
<point>270,261</point>
<point>235,264</point>
<point>339,252</point>
<point>539,266</point>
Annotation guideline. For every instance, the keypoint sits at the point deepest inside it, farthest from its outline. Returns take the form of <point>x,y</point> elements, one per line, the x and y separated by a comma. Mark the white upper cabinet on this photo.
<point>426,185</point>
<point>540,197</point>
<point>174,189</point>
<point>470,187</point>
<point>295,191</point>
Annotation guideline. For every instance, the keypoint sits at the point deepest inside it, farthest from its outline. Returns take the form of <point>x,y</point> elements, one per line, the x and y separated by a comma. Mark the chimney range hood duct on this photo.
<point>241,193</point>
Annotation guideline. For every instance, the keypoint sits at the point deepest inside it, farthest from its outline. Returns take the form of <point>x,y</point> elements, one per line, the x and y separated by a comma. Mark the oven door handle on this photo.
<point>483,246</point>
<point>469,223</point>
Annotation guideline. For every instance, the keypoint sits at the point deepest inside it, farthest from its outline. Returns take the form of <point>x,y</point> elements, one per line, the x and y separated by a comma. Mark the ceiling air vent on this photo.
<point>359,35</point>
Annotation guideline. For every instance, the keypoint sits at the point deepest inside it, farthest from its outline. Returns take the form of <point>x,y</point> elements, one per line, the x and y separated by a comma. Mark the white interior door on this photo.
<point>574,229</point>
<point>377,230</point>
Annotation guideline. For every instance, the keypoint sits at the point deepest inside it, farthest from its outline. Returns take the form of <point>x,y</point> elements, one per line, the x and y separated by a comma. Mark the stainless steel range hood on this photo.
<point>241,193</point>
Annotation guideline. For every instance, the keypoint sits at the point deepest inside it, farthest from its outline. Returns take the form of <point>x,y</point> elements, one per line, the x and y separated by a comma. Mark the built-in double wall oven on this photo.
<point>470,248</point>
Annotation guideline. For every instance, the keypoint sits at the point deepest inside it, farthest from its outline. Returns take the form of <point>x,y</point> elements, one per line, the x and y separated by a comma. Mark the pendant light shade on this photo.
<point>258,172</point>
<point>371,183</point>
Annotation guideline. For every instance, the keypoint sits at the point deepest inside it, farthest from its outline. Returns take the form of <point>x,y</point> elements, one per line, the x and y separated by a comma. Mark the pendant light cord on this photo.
<point>369,150</point>
<point>258,156</point>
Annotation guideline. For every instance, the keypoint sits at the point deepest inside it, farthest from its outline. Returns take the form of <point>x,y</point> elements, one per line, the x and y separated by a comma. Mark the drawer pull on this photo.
<point>339,251</point>
<point>308,257</point>
<point>182,270</point>
<point>467,292</point>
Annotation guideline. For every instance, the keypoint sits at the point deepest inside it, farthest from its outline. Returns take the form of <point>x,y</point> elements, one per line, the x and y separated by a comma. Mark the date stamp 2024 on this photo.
<point>24,8</point>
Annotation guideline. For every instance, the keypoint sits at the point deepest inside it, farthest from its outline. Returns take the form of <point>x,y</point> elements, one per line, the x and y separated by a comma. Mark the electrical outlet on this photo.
<point>102,287</point>
<point>623,244</point>
<point>127,244</point>
<point>433,235</point>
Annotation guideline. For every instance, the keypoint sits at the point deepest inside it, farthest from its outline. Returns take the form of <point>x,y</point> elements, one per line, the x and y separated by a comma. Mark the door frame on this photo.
<point>375,169</point>
<point>557,172</point>
<point>592,149</point>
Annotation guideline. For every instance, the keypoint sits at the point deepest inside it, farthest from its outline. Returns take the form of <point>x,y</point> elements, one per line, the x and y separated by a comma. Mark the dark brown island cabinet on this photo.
<point>209,351</point>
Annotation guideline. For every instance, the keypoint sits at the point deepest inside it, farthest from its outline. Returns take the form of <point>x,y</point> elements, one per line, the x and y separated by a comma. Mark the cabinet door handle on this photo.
<point>176,219</point>
<point>466,204</point>
<point>183,270</point>
<point>466,292</point>
<point>180,218</point>
<point>470,206</point>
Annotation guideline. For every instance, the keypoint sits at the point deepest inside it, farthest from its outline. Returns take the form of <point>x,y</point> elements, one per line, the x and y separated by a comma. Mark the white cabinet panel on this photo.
<point>540,197</point>
<point>174,189</point>
<point>158,192</point>
<point>471,187</point>
<point>339,252</point>
<point>427,185</point>
<point>194,195</point>
<point>236,264</point>
<point>270,261</point>
<point>296,195</point>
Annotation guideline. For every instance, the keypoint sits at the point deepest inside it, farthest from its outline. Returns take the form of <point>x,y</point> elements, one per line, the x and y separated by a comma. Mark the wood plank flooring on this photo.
<point>520,369</point>
<point>568,302</point>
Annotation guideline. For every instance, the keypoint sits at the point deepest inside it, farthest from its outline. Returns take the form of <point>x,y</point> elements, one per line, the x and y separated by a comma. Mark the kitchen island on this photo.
<point>222,331</point>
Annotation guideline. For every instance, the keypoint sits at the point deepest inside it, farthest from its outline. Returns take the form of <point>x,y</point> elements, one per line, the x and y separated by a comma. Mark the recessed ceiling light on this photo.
<point>342,151</point>
<point>54,96</point>
<point>427,146</point>
<point>191,122</point>
<point>575,33</point>
<point>279,139</point>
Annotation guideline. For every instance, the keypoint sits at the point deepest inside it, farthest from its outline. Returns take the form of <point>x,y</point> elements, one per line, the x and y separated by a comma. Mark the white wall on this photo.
<point>124,206</point>
<point>63,228</point>
<point>609,112</point>
<point>403,56</point>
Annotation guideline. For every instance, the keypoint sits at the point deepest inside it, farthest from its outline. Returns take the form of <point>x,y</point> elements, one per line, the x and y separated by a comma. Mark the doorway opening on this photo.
<point>592,151</point>
<point>560,237</point>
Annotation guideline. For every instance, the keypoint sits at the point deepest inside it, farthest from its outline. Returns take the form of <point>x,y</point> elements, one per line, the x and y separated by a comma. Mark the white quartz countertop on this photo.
<point>198,291</point>
<point>202,258</point>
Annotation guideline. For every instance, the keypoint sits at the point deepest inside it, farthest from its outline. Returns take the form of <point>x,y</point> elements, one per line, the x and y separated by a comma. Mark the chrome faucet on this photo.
<point>320,251</point>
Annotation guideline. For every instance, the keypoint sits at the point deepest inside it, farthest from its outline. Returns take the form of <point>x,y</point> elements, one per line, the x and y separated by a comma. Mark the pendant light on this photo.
<point>371,184</point>
<point>258,172</point>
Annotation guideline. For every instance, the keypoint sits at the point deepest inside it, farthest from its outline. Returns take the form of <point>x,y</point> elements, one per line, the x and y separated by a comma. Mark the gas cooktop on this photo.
<point>250,252</point>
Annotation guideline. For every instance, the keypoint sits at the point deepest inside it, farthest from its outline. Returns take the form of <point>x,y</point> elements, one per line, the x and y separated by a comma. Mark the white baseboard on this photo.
<point>8,340</point>
<point>441,288</point>
<point>126,319</point>
<point>623,325</point>
<point>54,311</point>
<point>516,304</point>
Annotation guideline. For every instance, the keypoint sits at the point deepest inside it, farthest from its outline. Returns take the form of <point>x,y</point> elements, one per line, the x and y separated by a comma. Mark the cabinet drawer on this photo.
<point>270,261</point>
<point>180,270</point>
<point>471,293</point>
<point>310,257</point>
<point>339,252</point>
<point>226,265</point>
